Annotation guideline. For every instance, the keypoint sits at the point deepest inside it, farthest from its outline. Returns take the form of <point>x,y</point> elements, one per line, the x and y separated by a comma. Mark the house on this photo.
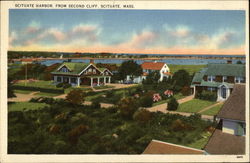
<point>219,78</point>
<point>229,137</point>
<point>160,147</point>
<point>149,67</point>
<point>78,74</point>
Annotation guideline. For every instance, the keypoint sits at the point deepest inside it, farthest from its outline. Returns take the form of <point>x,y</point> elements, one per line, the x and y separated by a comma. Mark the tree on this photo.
<point>129,68</point>
<point>127,107</point>
<point>152,78</point>
<point>10,88</point>
<point>76,97</point>
<point>142,116</point>
<point>172,104</point>
<point>180,79</point>
<point>239,62</point>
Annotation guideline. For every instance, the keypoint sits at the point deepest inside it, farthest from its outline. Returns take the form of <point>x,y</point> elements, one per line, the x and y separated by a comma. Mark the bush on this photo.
<point>96,104</point>
<point>66,85</point>
<point>59,85</point>
<point>172,104</point>
<point>76,96</point>
<point>127,107</point>
<point>146,101</point>
<point>207,95</point>
<point>142,116</point>
<point>47,90</point>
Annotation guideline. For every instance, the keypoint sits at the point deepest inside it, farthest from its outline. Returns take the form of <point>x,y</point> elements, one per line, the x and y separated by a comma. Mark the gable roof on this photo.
<point>226,70</point>
<point>159,147</point>
<point>224,143</point>
<point>74,67</point>
<point>235,106</point>
<point>198,77</point>
<point>152,65</point>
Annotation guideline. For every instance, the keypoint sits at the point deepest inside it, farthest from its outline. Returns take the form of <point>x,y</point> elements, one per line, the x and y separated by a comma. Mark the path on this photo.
<point>209,107</point>
<point>114,86</point>
<point>22,97</point>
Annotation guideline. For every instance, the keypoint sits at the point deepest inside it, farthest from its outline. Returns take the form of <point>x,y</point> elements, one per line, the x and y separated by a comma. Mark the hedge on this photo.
<point>47,90</point>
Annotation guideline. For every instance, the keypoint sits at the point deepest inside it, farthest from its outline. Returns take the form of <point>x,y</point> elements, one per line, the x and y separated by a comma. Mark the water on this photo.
<point>168,61</point>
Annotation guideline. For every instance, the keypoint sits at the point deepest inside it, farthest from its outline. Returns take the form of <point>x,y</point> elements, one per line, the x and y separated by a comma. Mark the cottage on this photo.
<point>229,137</point>
<point>219,78</point>
<point>149,67</point>
<point>78,74</point>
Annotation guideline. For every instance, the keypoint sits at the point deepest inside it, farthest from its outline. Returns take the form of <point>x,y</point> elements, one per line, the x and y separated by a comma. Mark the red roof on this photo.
<point>152,65</point>
<point>27,60</point>
<point>159,147</point>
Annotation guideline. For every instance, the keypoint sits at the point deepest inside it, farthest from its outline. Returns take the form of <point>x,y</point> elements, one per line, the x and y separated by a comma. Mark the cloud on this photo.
<point>86,31</point>
<point>33,27</point>
<point>143,40</point>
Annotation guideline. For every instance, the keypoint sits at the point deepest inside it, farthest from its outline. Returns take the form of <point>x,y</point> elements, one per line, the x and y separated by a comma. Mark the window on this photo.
<point>94,71</point>
<point>64,69</point>
<point>73,80</point>
<point>211,78</point>
<point>90,70</point>
<point>224,78</point>
<point>59,79</point>
<point>211,89</point>
<point>239,80</point>
<point>107,72</point>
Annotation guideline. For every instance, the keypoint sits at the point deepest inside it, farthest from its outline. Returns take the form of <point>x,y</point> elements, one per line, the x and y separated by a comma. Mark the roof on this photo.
<point>224,143</point>
<point>159,147</point>
<point>74,67</point>
<point>215,84</point>
<point>226,70</point>
<point>152,65</point>
<point>198,77</point>
<point>235,106</point>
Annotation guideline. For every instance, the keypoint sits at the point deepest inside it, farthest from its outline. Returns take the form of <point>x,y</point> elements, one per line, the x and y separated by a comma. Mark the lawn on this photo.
<point>194,105</point>
<point>22,91</point>
<point>103,87</point>
<point>83,88</point>
<point>213,111</point>
<point>189,68</point>
<point>199,144</point>
<point>45,94</point>
<point>19,106</point>
<point>41,84</point>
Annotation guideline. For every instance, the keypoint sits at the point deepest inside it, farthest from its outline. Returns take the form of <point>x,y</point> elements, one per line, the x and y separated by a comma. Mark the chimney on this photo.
<point>91,61</point>
<point>229,61</point>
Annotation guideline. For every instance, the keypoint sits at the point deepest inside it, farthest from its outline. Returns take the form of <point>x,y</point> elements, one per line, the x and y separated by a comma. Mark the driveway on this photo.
<point>22,97</point>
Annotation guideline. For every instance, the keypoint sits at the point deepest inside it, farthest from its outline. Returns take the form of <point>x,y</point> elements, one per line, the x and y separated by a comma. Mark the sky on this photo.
<point>128,31</point>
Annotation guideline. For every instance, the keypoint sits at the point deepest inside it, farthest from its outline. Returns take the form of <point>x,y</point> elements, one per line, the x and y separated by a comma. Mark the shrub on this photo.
<point>127,107</point>
<point>146,101</point>
<point>76,96</point>
<point>179,125</point>
<point>172,104</point>
<point>66,85</point>
<point>96,104</point>
<point>142,116</point>
<point>76,132</point>
<point>207,95</point>
<point>48,90</point>
<point>59,85</point>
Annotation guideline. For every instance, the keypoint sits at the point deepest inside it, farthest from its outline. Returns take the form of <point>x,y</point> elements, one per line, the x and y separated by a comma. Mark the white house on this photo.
<point>149,67</point>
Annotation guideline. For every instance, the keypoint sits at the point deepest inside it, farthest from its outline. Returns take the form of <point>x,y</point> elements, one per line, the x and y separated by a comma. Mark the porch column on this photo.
<point>104,82</point>
<point>98,81</point>
<point>194,90</point>
<point>91,82</point>
<point>78,81</point>
<point>55,79</point>
<point>109,79</point>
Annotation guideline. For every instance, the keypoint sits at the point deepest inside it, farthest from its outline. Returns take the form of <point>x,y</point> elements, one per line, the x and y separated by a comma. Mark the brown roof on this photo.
<point>235,106</point>
<point>224,143</point>
<point>159,147</point>
<point>152,65</point>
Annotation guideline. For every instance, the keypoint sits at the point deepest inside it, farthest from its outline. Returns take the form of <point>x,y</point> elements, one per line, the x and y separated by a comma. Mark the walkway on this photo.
<point>114,86</point>
<point>22,97</point>
<point>209,107</point>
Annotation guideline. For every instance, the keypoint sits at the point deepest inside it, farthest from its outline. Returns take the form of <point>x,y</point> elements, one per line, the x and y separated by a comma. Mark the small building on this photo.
<point>160,147</point>
<point>229,137</point>
<point>78,74</point>
<point>219,78</point>
<point>148,67</point>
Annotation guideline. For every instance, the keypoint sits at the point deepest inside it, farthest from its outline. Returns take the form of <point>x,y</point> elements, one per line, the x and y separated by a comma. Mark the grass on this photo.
<point>194,105</point>
<point>82,88</point>
<point>20,106</point>
<point>45,94</point>
<point>189,68</point>
<point>22,91</point>
<point>200,143</point>
<point>213,111</point>
<point>41,84</point>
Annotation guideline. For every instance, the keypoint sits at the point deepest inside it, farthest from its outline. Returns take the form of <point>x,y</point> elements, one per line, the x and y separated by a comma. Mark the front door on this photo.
<point>65,79</point>
<point>223,92</point>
